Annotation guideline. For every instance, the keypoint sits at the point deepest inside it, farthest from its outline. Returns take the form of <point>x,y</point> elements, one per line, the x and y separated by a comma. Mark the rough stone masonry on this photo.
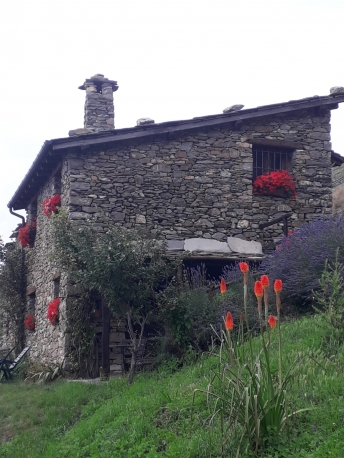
<point>199,184</point>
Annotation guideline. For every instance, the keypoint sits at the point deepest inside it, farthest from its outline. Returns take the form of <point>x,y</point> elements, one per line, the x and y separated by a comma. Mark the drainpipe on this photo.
<point>22,276</point>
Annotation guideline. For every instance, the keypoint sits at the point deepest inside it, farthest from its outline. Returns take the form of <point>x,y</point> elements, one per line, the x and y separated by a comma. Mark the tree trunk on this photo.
<point>136,344</point>
<point>105,338</point>
<point>132,366</point>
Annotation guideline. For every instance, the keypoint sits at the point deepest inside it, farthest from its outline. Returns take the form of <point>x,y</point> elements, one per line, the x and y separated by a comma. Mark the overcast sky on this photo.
<point>173,59</point>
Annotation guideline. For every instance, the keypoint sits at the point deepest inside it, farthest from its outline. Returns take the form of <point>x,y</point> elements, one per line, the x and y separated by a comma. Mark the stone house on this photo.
<point>191,180</point>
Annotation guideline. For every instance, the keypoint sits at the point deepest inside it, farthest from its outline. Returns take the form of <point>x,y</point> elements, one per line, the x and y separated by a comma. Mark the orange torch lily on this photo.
<point>258,289</point>
<point>265,283</point>
<point>272,321</point>
<point>278,286</point>
<point>223,287</point>
<point>243,266</point>
<point>229,323</point>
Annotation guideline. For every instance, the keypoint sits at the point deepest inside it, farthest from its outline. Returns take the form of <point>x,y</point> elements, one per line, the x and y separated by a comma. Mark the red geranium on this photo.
<point>53,309</point>
<point>30,322</point>
<point>26,234</point>
<point>51,204</point>
<point>270,182</point>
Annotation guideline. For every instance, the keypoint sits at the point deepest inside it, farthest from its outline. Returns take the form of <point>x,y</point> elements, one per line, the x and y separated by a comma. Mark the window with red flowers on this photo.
<point>269,158</point>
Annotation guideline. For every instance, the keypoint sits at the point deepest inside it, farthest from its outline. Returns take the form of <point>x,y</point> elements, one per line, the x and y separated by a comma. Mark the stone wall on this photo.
<point>199,184</point>
<point>47,342</point>
<point>338,189</point>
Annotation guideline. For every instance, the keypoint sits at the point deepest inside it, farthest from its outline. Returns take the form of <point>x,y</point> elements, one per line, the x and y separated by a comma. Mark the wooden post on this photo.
<point>285,226</point>
<point>105,338</point>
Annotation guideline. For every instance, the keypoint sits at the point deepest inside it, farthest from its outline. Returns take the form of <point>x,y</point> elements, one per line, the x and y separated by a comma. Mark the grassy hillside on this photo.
<point>152,418</point>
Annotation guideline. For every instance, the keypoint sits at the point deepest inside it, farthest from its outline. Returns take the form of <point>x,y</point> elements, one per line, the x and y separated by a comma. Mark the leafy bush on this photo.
<point>128,269</point>
<point>300,258</point>
<point>12,299</point>
<point>190,306</point>
<point>329,301</point>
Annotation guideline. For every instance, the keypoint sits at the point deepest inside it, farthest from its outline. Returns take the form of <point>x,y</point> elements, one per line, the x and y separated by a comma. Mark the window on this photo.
<point>268,158</point>
<point>32,303</point>
<point>56,287</point>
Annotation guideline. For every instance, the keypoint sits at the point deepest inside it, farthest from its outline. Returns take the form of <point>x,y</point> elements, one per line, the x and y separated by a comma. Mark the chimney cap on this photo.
<point>98,79</point>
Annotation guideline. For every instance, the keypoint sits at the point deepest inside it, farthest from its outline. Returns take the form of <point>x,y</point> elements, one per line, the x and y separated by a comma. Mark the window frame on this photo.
<point>272,158</point>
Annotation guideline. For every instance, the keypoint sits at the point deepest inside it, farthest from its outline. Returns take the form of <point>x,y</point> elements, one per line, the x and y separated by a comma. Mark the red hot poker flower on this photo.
<point>272,321</point>
<point>229,322</point>
<point>278,286</point>
<point>258,289</point>
<point>243,266</point>
<point>265,281</point>
<point>223,287</point>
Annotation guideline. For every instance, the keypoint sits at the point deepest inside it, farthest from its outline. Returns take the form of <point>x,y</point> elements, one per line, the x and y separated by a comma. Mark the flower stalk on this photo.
<point>278,289</point>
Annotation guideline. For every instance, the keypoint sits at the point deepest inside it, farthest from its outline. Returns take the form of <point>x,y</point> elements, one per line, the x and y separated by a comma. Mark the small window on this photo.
<point>32,304</point>
<point>268,158</point>
<point>56,287</point>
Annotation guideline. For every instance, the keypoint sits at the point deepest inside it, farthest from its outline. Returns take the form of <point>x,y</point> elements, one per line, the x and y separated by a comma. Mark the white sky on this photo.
<point>173,59</point>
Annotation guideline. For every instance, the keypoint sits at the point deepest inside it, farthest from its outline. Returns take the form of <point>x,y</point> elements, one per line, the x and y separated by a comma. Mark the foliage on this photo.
<point>53,310</point>
<point>43,373</point>
<point>189,307</point>
<point>243,389</point>
<point>270,182</point>
<point>125,267</point>
<point>329,298</point>
<point>152,418</point>
<point>51,205</point>
<point>26,234</point>
<point>300,258</point>
<point>12,304</point>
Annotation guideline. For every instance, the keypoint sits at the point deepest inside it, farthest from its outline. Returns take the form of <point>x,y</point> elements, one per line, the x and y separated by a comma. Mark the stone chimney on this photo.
<point>99,110</point>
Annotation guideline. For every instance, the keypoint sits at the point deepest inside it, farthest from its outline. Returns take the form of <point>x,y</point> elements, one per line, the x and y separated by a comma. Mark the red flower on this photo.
<point>269,182</point>
<point>278,286</point>
<point>53,308</point>
<point>30,323</point>
<point>243,266</point>
<point>265,281</point>
<point>51,204</point>
<point>223,287</point>
<point>26,234</point>
<point>258,289</point>
<point>229,322</point>
<point>272,321</point>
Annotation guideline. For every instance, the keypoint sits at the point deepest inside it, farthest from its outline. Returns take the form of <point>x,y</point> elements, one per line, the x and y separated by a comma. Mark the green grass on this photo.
<point>152,418</point>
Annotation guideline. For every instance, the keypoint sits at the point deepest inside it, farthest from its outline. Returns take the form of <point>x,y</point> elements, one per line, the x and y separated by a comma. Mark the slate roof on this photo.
<point>50,154</point>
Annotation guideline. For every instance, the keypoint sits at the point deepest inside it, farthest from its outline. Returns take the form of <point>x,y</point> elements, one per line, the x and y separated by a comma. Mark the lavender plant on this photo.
<point>300,258</point>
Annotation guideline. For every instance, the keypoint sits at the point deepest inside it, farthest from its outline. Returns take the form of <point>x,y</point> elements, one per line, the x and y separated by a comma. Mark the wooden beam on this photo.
<point>281,143</point>
<point>105,337</point>
<point>274,221</point>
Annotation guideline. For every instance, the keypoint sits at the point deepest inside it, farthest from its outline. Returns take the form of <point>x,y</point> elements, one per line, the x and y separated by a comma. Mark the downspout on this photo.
<point>22,276</point>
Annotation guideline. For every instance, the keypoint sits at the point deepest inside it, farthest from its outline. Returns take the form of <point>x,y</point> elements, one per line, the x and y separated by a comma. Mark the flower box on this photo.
<point>53,311</point>
<point>278,184</point>
<point>29,323</point>
<point>26,234</point>
<point>51,205</point>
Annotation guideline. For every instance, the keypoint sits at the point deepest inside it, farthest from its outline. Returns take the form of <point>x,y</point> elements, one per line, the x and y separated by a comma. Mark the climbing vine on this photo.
<point>12,293</point>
